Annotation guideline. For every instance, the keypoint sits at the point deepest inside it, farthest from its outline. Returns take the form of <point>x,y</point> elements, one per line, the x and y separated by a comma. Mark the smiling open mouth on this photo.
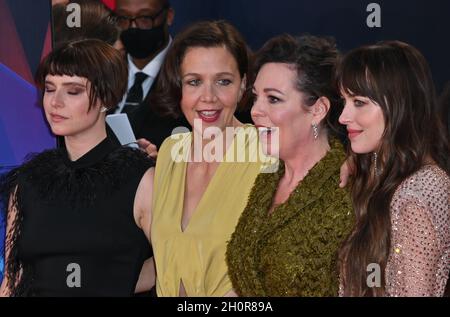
<point>209,115</point>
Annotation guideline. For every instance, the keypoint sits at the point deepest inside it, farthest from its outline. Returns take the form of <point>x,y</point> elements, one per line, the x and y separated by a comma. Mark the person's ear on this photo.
<point>170,16</point>
<point>320,109</point>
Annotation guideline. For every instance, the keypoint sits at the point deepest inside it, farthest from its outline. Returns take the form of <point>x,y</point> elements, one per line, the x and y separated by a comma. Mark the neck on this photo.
<point>141,63</point>
<point>78,145</point>
<point>298,163</point>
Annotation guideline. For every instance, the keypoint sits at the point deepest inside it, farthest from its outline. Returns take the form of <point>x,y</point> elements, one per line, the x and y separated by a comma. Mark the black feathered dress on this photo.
<point>74,232</point>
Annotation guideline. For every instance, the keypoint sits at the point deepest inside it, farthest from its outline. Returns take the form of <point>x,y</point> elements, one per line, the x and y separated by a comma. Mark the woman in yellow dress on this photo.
<point>203,177</point>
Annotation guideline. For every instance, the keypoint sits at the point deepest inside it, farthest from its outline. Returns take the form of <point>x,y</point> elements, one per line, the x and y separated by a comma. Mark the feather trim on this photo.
<point>52,178</point>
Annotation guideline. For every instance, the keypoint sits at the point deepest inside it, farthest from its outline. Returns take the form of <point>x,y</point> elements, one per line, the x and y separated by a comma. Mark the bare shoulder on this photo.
<point>144,200</point>
<point>145,188</point>
<point>147,179</point>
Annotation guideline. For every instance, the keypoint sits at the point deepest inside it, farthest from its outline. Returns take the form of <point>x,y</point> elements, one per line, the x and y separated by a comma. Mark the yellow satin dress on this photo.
<point>196,257</point>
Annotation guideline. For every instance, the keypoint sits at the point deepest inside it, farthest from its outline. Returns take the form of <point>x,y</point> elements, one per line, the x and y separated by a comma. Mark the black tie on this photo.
<point>135,94</point>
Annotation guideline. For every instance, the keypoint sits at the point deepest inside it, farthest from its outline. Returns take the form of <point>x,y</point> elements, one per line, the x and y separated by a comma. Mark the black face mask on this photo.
<point>143,43</point>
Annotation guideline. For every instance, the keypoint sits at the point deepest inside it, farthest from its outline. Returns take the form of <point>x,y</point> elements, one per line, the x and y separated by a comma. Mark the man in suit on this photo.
<point>145,36</point>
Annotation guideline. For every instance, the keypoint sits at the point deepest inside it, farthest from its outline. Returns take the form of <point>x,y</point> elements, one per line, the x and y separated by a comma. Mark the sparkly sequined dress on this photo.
<point>419,259</point>
<point>419,256</point>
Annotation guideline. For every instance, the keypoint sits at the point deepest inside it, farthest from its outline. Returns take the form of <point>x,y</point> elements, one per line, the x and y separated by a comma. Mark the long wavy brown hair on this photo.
<point>397,77</point>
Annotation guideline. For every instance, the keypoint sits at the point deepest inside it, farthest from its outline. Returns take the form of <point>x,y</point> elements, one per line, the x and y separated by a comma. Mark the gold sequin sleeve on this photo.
<point>419,258</point>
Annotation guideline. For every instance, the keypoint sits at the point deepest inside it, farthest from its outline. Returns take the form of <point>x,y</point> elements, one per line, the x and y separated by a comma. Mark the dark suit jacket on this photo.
<point>147,123</point>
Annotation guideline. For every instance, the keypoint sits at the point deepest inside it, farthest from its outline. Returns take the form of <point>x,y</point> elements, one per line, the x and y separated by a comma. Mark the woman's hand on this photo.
<point>231,293</point>
<point>347,170</point>
<point>148,147</point>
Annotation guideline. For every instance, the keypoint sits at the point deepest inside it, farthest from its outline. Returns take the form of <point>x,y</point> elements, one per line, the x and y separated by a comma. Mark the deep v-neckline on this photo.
<point>197,208</point>
<point>200,201</point>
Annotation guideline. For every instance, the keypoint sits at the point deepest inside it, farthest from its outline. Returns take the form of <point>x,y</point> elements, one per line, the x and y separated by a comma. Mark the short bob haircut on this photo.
<point>314,60</point>
<point>167,96</point>
<point>101,64</point>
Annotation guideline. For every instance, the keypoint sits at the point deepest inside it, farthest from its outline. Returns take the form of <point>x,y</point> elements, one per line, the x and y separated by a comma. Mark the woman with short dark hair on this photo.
<point>77,217</point>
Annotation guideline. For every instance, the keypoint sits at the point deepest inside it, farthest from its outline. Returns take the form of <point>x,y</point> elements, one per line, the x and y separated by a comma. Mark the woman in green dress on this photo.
<point>287,239</point>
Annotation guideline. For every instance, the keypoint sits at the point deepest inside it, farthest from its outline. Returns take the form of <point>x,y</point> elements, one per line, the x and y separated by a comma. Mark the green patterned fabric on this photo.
<point>293,251</point>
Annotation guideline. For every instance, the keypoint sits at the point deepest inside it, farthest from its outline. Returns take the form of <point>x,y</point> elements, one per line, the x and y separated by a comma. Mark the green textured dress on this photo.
<point>293,251</point>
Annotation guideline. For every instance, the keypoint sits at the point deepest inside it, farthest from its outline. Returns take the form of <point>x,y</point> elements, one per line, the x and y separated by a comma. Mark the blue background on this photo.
<point>422,23</point>
<point>22,125</point>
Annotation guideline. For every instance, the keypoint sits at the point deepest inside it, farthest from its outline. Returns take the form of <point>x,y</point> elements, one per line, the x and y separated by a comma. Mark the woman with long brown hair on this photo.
<point>401,183</point>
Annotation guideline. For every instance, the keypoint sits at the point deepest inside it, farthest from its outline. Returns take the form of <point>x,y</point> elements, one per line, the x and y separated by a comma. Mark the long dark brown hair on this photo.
<point>397,77</point>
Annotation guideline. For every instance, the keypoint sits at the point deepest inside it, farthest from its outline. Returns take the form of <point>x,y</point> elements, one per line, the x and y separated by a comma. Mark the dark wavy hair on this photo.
<point>397,77</point>
<point>99,62</point>
<point>168,91</point>
<point>314,59</point>
<point>97,22</point>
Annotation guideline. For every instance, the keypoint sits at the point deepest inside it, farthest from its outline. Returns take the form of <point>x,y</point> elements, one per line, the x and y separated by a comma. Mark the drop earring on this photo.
<point>375,163</point>
<point>315,131</point>
<point>103,109</point>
